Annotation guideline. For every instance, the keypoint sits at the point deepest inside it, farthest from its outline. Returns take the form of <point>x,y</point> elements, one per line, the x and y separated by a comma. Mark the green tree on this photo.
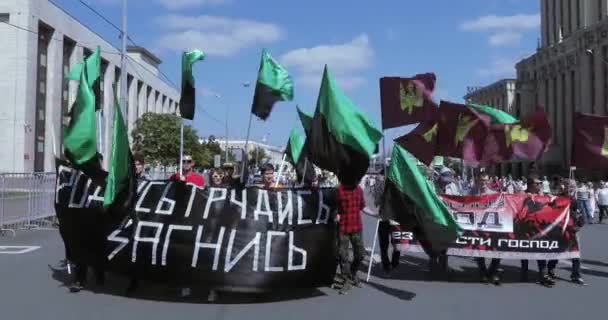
<point>156,137</point>
<point>258,156</point>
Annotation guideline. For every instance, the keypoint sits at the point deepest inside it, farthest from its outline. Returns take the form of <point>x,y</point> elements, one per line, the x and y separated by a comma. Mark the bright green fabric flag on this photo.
<point>187,103</point>
<point>75,71</point>
<point>345,122</point>
<point>120,170</point>
<point>295,146</point>
<point>498,116</point>
<point>93,65</point>
<point>274,84</point>
<point>80,138</point>
<point>406,184</point>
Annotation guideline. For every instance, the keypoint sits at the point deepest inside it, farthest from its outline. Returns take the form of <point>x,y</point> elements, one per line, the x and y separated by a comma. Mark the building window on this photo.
<point>578,14</point>
<point>44,36</point>
<point>592,81</point>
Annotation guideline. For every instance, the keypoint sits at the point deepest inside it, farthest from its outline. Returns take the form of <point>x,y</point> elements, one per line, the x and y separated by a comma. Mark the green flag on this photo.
<point>120,171</point>
<point>406,185</point>
<point>187,103</point>
<point>93,65</point>
<point>274,84</point>
<point>295,144</point>
<point>342,139</point>
<point>80,139</point>
<point>497,116</point>
<point>75,71</point>
<point>305,118</point>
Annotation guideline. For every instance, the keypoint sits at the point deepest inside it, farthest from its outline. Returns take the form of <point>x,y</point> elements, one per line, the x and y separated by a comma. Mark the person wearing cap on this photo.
<point>188,175</point>
<point>446,183</point>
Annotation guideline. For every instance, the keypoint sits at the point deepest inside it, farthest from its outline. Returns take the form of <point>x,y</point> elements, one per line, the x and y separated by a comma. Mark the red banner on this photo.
<point>509,226</point>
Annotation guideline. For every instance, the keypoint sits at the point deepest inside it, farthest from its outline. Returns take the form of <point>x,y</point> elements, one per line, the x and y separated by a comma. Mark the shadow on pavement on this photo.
<point>116,285</point>
<point>397,293</point>
<point>595,263</point>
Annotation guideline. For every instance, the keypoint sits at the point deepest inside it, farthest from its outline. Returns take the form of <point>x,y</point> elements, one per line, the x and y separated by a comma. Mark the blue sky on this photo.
<point>466,43</point>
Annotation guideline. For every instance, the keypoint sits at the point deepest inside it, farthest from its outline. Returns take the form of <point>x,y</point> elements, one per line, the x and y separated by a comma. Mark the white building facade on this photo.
<point>40,42</point>
<point>275,154</point>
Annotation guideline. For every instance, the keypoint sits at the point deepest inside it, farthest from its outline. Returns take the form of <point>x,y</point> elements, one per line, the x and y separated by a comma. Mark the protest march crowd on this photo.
<point>117,219</point>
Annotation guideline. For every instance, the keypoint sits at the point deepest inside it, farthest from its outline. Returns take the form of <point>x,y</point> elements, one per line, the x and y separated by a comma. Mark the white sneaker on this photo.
<point>186,292</point>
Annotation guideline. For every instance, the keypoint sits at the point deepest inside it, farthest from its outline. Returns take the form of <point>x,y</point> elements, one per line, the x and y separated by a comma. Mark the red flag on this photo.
<point>462,132</point>
<point>407,100</point>
<point>421,142</point>
<point>590,142</point>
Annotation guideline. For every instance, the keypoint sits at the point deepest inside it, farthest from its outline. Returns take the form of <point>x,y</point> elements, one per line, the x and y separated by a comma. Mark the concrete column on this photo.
<point>544,22</point>
<point>143,100</point>
<point>550,22</point>
<point>598,91</point>
<point>53,100</point>
<point>560,104</point>
<point>567,118</point>
<point>151,101</point>
<point>166,104</point>
<point>132,112</point>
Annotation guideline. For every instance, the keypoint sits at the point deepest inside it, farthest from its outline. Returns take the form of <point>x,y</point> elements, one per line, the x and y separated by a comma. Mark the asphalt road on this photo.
<point>31,289</point>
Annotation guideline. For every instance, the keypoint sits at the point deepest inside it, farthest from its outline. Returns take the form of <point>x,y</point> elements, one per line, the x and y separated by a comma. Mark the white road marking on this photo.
<point>17,249</point>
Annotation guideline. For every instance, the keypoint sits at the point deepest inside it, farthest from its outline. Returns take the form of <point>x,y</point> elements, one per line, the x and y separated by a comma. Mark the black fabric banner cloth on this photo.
<point>233,239</point>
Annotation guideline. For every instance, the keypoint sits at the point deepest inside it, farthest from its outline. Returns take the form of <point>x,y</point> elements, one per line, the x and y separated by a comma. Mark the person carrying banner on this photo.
<point>350,204</point>
<point>534,188</point>
<point>188,175</point>
<point>491,272</point>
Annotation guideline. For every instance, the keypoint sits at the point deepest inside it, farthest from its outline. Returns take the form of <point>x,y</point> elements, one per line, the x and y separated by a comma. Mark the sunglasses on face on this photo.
<point>187,161</point>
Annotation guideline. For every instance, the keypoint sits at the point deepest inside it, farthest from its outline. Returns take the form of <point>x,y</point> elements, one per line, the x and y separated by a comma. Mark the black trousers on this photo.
<point>489,271</point>
<point>542,266</point>
<point>603,212</point>
<point>384,238</point>
<point>576,267</point>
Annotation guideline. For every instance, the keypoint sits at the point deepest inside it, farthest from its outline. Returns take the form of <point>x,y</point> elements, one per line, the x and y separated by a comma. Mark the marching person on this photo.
<point>602,200</point>
<point>188,175</point>
<point>268,182</point>
<point>489,273</point>
<point>218,178</point>
<point>350,204</point>
<point>228,170</point>
<point>583,203</point>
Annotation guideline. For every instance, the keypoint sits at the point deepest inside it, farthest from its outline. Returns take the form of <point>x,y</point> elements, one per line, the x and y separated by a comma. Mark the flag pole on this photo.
<point>181,151</point>
<point>123,62</point>
<point>276,185</point>
<point>304,173</point>
<point>246,144</point>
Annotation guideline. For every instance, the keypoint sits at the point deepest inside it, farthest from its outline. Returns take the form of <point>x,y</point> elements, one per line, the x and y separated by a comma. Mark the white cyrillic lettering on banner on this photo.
<point>265,201</point>
<point>213,198</point>
<point>138,207</point>
<point>94,197</point>
<point>465,218</point>
<point>513,243</point>
<point>267,266</point>
<point>242,204</point>
<point>122,240</point>
<point>323,211</point>
<point>301,219</point>
<point>59,186</point>
<point>485,242</point>
<point>292,248</point>
<point>554,245</point>
<point>198,245</point>
<point>191,200</point>
<point>534,244</point>
<point>461,240</point>
<point>73,204</point>
<point>287,211</point>
<point>141,186</point>
<point>155,240</point>
<point>164,200</point>
<point>255,243</point>
<point>163,258</point>
<point>524,243</point>
<point>544,244</point>
<point>500,242</point>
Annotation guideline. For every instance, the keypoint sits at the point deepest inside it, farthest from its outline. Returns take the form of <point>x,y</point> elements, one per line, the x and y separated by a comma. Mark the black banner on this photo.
<point>232,239</point>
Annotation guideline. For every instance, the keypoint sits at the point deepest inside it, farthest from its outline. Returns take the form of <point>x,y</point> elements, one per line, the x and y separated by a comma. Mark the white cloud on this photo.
<point>501,67</point>
<point>216,35</point>
<point>346,83</point>
<point>180,4</point>
<point>354,55</point>
<point>506,38</point>
<point>493,22</point>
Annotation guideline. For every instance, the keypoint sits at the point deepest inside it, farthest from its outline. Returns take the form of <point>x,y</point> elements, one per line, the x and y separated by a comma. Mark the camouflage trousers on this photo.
<point>349,269</point>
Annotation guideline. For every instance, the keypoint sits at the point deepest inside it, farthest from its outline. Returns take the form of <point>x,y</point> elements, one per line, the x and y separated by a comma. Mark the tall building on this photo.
<point>568,72</point>
<point>40,42</point>
<point>499,95</point>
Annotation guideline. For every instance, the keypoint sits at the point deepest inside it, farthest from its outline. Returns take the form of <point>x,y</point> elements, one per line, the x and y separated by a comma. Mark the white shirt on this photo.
<point>602,196</point>
<point>546,187</point>
<point>451,189</point>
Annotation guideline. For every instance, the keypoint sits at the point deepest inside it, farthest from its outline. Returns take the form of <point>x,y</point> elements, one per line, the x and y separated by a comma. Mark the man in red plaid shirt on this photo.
<point>350,204</point>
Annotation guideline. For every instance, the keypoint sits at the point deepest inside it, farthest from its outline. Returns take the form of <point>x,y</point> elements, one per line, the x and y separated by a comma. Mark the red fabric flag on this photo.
<point>462,132</point>
<point>590,142</point>
<point>421,142</point>
<point>407,100</point>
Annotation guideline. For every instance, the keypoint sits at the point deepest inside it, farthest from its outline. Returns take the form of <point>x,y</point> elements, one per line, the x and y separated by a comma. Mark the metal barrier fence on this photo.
<point>26,201</point>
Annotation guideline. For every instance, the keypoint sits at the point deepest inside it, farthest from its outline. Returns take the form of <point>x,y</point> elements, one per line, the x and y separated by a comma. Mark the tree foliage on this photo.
<point>259,154</point>
<point>156,137</point>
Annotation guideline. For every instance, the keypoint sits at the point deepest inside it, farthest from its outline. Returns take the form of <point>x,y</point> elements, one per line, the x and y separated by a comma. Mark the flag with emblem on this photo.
<point>590,142</point>
<point>462,132</point>
<point>421,142</point>
<point>407,100</point>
